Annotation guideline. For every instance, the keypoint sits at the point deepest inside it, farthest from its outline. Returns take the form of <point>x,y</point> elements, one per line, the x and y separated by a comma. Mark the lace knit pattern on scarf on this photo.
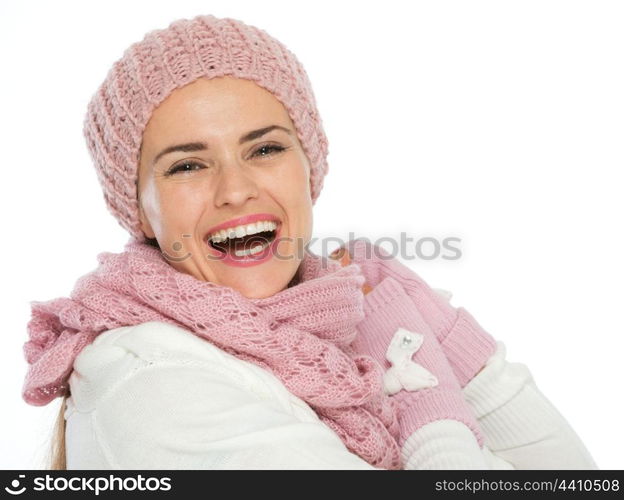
<point>301,334</point>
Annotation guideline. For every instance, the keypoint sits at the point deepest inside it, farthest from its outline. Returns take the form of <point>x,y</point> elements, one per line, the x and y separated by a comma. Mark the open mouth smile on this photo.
<point>245,241</point>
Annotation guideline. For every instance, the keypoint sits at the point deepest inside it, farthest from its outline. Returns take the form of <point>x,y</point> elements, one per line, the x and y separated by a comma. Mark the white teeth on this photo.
<point>252,251</point>
<point>240,231</point>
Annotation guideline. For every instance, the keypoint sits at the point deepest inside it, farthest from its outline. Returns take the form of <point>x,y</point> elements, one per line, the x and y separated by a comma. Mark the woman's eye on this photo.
<point>180,167</point>
<point>268,149</point>
<point>189,166</point>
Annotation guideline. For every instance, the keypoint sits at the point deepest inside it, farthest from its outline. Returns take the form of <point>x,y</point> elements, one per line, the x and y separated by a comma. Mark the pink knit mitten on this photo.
<point>466,345</point>
<point>417,374</point>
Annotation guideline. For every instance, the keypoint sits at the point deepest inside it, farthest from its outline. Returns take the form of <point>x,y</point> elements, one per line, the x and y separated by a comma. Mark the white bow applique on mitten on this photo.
<point>405,373</point>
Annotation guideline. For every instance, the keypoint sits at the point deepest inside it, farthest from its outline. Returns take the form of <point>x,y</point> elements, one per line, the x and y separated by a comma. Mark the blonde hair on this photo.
<point>57,458</point>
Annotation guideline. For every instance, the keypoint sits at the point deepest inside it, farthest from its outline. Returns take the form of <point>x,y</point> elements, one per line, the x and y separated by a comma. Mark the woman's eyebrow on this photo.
<point>202,146</point>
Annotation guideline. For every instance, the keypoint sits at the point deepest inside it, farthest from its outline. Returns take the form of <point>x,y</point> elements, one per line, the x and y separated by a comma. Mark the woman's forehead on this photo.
<point>218,93</point>
<point>222,105</point>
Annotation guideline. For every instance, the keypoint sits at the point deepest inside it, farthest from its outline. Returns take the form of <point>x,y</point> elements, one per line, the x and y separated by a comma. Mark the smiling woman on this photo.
<point>241,165</point>
<point>216,338</point>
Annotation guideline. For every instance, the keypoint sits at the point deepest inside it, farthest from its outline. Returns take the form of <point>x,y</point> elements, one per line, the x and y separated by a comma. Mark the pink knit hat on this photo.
<point>166,59</point>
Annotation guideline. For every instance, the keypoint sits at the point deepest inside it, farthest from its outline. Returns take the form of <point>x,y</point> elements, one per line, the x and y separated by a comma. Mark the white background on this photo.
<point>498,122</point>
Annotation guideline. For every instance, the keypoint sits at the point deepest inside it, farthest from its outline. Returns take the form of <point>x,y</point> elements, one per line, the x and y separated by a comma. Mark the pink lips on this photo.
<point>248,260</point>
<point>247,219</point>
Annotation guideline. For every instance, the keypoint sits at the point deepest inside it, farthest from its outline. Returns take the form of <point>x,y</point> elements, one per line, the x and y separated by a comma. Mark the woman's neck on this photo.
<point>295,279</point>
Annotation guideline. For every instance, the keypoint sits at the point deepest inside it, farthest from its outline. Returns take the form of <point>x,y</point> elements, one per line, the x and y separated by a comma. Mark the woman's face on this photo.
<point>234,165</point>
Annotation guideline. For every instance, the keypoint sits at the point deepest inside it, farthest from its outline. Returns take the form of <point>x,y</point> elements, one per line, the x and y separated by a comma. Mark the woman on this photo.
<point>216,339</point>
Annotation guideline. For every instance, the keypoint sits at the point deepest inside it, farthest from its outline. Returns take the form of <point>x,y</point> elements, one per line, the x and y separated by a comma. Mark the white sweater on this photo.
<point>155,396</point>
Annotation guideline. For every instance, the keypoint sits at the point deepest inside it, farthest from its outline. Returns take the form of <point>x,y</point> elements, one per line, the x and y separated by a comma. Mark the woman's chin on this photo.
<point>255,282</point>
<point>259,291</point>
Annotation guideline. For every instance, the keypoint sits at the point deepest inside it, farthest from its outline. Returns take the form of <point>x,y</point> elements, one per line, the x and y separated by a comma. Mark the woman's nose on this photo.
<point>235,185</point>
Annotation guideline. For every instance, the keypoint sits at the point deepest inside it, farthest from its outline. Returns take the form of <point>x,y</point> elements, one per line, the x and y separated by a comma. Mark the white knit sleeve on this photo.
<point>520,424</point>
<point>181,408</point>
<point>444,445</point>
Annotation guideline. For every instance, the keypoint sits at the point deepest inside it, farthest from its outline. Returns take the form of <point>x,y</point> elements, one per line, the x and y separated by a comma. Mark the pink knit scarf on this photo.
<point>300,334</point>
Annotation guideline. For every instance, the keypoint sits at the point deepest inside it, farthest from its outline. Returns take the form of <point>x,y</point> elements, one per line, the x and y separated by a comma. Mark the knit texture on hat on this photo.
<point>166,59</point>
